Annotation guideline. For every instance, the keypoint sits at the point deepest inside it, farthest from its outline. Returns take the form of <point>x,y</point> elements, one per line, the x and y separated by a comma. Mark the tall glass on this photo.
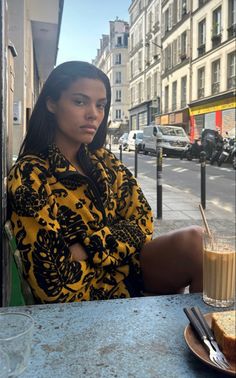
<point>16,330</point>
<point>4,364</point>
<point>219,270</point>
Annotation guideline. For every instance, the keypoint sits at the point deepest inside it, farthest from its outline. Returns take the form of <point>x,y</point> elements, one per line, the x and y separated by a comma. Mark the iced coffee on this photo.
<point>219,270</point>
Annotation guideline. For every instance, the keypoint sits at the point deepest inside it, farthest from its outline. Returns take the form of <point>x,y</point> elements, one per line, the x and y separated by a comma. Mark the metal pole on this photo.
<point>159,178</point>
<point>120,147</point>
<point>136,161</point>
<point>203,178</point>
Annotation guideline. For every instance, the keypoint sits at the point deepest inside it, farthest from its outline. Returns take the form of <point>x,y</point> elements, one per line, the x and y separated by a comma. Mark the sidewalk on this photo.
<point>181,209</point>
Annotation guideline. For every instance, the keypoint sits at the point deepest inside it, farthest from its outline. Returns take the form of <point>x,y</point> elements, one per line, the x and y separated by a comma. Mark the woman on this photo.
<point>82,223</point>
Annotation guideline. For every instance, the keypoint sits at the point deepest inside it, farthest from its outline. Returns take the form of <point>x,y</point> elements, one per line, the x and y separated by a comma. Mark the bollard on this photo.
<point>120,147</point>
<point>136,161</point>
<point>203,178</point>
<point>159,178</point>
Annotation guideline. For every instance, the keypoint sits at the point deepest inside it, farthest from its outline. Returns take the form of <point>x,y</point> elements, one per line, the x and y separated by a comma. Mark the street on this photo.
<point>185,175</point>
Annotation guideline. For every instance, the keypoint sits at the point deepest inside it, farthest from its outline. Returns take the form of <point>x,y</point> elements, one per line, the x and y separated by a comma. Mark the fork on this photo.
<point>197,312</point>
<point>214,356</point>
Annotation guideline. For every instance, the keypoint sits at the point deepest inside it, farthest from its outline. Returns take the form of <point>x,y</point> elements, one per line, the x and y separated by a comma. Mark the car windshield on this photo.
<point>166,130</point>
<point>139,135</point>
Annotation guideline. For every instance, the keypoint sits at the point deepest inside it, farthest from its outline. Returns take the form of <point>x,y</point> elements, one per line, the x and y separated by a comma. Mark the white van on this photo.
<point>135,137</point>
<point>173,139</point>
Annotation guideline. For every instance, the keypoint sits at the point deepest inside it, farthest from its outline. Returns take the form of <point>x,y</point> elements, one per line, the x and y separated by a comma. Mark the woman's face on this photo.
<point>79,111</point>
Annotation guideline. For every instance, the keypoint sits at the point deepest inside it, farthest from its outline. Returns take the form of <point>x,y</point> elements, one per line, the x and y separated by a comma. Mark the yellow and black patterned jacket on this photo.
<point>53,207</point>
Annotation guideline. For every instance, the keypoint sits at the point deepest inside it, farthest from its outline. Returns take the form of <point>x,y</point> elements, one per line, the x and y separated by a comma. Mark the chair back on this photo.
<point>25,288</point>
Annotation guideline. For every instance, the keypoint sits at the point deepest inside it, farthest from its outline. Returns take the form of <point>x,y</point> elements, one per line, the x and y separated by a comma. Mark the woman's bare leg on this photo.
<point>173,261</point>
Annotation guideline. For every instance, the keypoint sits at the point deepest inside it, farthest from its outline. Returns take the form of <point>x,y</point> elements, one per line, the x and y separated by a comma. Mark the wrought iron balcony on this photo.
<point>215,88</point>
<point>231,82</point>
<point>216,40</point>
<point>200,92</point>
<point>201,49</point>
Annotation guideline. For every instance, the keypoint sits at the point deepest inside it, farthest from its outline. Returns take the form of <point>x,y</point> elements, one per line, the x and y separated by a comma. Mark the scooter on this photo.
<point>192,150</point>
<point>226,152</point>
<point>233,154</point>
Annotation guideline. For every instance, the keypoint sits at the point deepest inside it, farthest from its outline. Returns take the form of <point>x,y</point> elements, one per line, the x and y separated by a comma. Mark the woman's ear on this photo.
<point>51,105</point>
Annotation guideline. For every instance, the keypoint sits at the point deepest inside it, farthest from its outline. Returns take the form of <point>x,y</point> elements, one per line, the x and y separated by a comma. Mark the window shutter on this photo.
<point>170,20</point>
<point>188,43</point>
<point>179,49</point>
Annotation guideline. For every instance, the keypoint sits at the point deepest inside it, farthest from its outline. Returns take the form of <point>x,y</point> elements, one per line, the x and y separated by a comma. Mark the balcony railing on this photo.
<point>183,103</point>
<point>215,88</point>
<point>231,82</point>
<point>216,40</point>
<point>232,31</point>
<point>200,92</point>
<point>201,49</point>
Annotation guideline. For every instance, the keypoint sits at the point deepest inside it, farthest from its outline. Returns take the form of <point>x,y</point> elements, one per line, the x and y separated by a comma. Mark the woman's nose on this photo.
<point>92,111</point>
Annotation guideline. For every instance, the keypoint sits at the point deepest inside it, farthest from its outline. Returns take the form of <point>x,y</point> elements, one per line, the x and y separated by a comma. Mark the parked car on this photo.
<point>123,141</point>
<point>135,137</point>
<point>173,139</point>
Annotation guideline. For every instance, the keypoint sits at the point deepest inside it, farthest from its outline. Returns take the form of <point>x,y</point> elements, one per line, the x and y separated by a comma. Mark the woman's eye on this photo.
<point>101,106</point>
<point>79,102</point>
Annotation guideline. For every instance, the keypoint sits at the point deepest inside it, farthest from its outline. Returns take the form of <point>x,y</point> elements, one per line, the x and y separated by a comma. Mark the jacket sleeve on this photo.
<point>132,225</point>
<point>46,258</point>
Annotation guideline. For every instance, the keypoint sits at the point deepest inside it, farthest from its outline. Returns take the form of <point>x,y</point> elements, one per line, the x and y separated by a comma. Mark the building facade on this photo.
<point>33,30</point>
<point>112,58</point>
<point>176,62</point>
<point>144,62</point>
<point>213,66</point>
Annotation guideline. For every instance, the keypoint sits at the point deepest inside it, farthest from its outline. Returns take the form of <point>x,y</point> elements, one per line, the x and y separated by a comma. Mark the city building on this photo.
<point>144,62</point>
<point>176,63</point>
<point>33,32</point>
<point>213,67</point>
<point>112,58</point>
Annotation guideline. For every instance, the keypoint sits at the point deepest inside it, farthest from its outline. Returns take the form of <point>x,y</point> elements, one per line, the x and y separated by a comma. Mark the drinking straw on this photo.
<point>205,221</point>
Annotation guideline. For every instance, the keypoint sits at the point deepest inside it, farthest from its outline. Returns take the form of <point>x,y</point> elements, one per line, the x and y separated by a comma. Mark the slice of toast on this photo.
<point>224,329</point>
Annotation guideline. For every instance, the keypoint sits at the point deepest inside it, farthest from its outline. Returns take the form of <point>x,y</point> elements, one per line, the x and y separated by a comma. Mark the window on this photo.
<point>148,88</point>
<point>140,92</point>
<point>119,41</point>
<point>118,59</point>
<point>183,91</point>
<point>201,82</point>
<point>118,77</point>
<point>118,95</point>
<point>140,65</point>
<point>169,57</point>
<point>174,94</point>
<point>216,27</point>
<point>174,12</point>
<point>201,37</point>
<point>232,19</point>
<point>231,72</point>
<point>132,68</point>
<point>166,98</point>
<point>215,81</point>
<point>174,53</point>
<point>166,17</point>
<point>184,7</point>
<point>183,53</point>
<point>118,113</point>
<point>155,85</point>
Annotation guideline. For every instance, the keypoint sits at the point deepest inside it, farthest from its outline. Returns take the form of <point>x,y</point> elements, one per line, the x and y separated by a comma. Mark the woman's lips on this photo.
<point>89,128</point>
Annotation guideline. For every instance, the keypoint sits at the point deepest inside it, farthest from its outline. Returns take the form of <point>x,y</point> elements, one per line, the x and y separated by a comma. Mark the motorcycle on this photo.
<point>233,154</point>
<point>217,152</point>
<point>192,150</point>
<point>226,153</point>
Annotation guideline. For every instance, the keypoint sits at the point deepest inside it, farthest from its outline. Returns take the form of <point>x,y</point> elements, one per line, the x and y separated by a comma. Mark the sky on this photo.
<point>83,23</point>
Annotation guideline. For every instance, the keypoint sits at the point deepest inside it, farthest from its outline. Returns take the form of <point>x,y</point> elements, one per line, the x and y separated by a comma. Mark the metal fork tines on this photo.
<point>215,355</point>
<point>197,312</point>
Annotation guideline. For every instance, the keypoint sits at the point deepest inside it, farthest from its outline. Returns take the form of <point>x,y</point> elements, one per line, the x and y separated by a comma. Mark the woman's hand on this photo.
<point>78,252</point>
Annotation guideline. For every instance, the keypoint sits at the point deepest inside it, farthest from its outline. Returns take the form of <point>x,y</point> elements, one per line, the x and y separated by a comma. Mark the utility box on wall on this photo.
<point>17,113</point>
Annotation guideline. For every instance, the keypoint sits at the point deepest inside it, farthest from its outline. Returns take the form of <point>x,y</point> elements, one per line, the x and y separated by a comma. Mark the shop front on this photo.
<point>179,118</point>
<point>140,115</point>
<point>218,113</point>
